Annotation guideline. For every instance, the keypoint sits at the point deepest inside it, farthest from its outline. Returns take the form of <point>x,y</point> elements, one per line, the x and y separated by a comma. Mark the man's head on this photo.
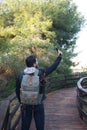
<point>31,61</point>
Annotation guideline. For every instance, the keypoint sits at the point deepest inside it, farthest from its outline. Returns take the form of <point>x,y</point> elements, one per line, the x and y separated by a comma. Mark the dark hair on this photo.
<point>30,60</point>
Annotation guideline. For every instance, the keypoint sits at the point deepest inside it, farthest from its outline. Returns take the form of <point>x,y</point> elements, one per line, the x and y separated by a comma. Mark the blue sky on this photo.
<point>81,43</point>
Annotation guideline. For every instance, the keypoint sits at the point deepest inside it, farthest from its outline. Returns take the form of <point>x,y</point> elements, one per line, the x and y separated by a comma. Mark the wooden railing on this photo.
<point>9,113</point>
<point>82,97</point>
<point>65,81</point>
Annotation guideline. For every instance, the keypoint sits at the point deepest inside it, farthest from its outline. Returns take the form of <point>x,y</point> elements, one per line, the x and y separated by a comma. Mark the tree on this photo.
<point>67,22</point>
<point>38,27</point>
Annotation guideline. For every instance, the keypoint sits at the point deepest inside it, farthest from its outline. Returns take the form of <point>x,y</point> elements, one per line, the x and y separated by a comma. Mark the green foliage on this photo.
<point>67,21</point>
<point>11,85</point>
<point>9,88</point>
<point>37,26</point>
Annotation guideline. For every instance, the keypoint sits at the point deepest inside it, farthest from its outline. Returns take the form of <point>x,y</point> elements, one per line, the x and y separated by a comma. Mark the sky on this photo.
<point>81,43</point>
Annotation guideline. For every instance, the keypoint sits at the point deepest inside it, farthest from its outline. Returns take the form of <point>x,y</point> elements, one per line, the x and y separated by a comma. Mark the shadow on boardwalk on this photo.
<point>61,111</point>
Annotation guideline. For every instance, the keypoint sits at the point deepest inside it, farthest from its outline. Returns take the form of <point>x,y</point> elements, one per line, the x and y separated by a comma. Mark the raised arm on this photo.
<point>51,68</point>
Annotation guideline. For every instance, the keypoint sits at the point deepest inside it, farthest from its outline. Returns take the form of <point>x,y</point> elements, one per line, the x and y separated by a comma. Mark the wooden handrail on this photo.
<point>82,97</point>
<point>54,83</point>
<point>6,114</point>
<point>79,84</point>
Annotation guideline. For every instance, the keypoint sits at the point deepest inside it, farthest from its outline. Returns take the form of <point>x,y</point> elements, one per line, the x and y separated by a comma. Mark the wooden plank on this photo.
<point>16,122</point>
<point>14,110</point>
<point>4,109</point>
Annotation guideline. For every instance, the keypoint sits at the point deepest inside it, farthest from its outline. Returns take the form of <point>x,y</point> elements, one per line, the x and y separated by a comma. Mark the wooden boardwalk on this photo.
<point>61,111</point>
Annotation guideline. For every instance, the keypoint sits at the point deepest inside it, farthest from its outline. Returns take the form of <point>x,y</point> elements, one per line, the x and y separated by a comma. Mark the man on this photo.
<point>36,110</point>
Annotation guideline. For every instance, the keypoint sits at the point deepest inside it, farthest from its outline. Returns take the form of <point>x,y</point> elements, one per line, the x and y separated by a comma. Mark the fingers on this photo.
<point>59,52</point>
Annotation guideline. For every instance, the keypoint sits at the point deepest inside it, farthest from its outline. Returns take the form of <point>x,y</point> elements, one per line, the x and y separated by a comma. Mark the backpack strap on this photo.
<point>43,77</point>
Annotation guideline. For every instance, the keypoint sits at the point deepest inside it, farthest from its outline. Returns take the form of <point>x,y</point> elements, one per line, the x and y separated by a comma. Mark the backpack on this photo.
<point>29,92</point>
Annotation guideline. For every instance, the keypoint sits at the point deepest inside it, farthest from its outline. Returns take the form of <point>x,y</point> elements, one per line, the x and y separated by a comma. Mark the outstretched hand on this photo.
<point>59,52</point>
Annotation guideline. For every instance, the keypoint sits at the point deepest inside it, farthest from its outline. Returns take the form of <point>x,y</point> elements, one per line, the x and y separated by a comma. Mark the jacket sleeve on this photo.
<point>18,85</point>
<point>51,68</point>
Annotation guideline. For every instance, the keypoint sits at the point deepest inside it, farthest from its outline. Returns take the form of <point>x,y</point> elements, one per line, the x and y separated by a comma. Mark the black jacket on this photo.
<point>47,71</point>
